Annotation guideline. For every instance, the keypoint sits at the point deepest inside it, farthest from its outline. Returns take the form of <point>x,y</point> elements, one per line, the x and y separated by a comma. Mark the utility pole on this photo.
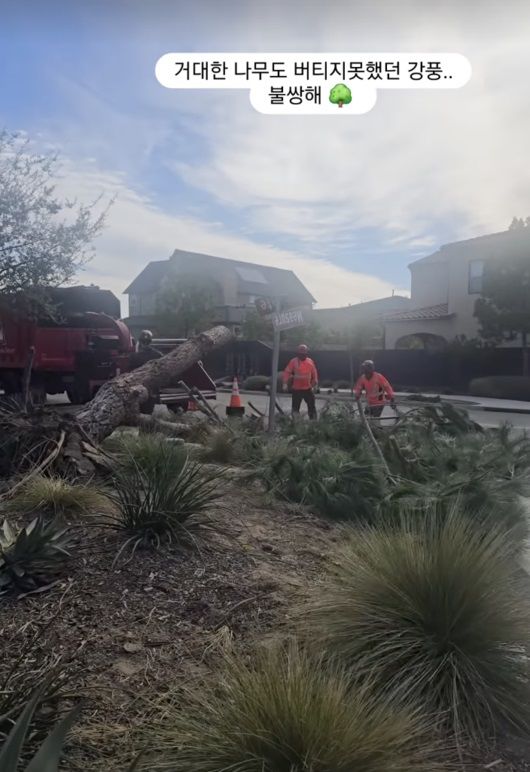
<point>274,379</point>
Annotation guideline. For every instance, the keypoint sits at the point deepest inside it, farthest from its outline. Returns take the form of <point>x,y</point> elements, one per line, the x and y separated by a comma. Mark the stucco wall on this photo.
<point>429,284</point>
<point>396,330</point>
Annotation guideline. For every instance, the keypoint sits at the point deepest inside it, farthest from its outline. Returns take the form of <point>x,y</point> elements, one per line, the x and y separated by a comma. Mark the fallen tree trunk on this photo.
<point>118,401</point>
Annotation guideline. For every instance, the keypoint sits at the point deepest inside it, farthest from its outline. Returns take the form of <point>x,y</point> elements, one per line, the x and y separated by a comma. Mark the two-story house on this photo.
<point>236,285</point>
<point>444,289</point>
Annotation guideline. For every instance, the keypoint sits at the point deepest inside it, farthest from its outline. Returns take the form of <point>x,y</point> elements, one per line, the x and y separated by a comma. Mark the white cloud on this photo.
<point>138,232</point>
<point>418,159</point>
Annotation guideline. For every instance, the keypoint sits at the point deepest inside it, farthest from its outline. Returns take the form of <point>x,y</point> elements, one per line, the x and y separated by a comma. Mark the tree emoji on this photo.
<point>340,95</point>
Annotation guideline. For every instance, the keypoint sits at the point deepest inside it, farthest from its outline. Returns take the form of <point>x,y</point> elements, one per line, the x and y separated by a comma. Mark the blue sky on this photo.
<point>346,204</point>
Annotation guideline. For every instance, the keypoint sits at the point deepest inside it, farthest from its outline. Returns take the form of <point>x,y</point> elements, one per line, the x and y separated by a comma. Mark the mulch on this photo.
<point>163,615</point>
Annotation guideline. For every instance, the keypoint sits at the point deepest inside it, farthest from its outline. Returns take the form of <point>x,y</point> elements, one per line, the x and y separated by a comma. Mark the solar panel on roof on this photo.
<point>252,275</point>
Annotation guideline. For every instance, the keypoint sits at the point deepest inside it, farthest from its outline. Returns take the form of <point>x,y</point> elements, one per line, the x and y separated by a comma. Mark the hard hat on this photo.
<point>302,348</point>
<point>368,363</point>
<point>146,336</point>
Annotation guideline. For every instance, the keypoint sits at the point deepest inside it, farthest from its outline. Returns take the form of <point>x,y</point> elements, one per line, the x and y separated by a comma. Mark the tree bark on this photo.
<point>118,401</point>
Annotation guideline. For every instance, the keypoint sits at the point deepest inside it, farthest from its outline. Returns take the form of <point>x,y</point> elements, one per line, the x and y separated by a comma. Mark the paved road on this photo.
<point>261,401</point>
<point>484,418</point>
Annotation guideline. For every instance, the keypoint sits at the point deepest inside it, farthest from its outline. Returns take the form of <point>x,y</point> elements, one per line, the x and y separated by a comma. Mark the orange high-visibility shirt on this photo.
<point>375,387</point>
<point>303,373</point>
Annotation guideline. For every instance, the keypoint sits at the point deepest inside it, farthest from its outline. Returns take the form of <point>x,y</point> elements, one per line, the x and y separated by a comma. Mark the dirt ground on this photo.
<point>166,615</point>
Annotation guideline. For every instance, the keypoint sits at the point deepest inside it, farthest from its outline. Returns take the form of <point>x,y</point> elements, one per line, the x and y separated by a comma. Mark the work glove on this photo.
<point>393,404</point>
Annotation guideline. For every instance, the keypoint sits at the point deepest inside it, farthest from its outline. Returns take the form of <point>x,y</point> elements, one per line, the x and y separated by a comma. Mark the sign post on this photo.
<point>281,320</point>
<point>275,365</point>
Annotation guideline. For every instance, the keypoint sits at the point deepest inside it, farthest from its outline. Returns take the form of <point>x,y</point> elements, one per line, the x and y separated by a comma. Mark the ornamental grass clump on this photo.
<point>436,611</point>
<point>286,713</point>
<point>57,497</point>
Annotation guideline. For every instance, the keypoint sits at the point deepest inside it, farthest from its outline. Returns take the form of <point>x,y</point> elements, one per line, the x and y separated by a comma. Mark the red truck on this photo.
<point>82,347</point>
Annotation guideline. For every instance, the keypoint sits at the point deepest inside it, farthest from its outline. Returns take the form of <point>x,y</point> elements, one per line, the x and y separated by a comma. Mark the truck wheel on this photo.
<point>78,396</point>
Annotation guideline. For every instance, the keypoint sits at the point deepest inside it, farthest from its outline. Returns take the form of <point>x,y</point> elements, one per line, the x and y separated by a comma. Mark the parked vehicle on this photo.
<point>176,397</point>
<point>82,347</point>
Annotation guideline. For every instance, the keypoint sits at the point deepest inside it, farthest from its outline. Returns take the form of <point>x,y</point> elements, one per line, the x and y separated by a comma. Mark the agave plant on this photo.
<point>33,556</point>
<point>437,611</point>
<point>287,713</point>
<point>48,756</point>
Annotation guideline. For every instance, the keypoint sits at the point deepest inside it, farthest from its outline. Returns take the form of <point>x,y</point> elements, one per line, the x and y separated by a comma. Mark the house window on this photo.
<point>476,272</point>
<point>251,275</point>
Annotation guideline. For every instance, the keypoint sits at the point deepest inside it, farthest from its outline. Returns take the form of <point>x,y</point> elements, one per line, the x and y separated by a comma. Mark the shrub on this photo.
<point>501,387</point>
<point>160,492</point>
<point>337,426</point>
<point>326,479</point>
<point>54,496</point>
<point>487,472</point>
<point>438,612</point>
<point>287,714</point>
<point>33,556</point>
<point>256,383</point>
<point>219,447</point>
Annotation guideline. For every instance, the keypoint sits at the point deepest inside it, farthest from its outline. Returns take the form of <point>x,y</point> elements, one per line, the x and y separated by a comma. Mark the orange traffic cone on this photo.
<point>235,407</point>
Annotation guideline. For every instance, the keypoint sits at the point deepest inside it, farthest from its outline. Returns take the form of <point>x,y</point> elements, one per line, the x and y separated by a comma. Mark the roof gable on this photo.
<point>252,278</point>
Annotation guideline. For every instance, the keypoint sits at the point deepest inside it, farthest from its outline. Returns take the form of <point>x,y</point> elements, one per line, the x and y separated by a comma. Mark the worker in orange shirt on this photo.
<point>302,377</point>
<point>378,390</point>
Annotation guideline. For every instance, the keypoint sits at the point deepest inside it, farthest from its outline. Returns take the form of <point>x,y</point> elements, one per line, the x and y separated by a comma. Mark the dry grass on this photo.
<point>440,613</point>
<point>286,713</point>
<point>56,497</point>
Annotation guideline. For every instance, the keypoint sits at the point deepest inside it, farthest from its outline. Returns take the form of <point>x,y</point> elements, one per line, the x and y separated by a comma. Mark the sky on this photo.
<point>346,204</point>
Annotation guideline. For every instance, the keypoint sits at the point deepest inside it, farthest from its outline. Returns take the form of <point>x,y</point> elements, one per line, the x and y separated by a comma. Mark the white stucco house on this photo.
<point>444,288</point>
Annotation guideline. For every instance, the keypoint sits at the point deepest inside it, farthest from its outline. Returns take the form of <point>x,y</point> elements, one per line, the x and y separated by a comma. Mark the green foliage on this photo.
<point>188,306</point>
<point>48,756</point>
<point>54,496</point>
<point>43,239</point>
<point>486,472</point>
<point>438,611</point>
<point>256,383</point>
<point>503,310</point>
<point>160,492</point>
<point>287,713</point>
<point>340,95</point>
<point>220,447</point>
<point>256,327</point>
<point>324,478</point>
<point>337,426</point>
<point>33,556</point>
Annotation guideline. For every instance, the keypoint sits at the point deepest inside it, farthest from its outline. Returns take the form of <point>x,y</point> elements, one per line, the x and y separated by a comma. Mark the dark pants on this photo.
<point>374,411</point>
<point>308,396</point>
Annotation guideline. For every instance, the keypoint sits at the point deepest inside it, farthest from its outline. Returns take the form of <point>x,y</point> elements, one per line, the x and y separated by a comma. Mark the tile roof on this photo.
<point>440,311</point>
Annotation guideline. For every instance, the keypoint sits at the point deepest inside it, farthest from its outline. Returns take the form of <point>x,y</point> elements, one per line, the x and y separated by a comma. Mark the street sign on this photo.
<point>287,320</point>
